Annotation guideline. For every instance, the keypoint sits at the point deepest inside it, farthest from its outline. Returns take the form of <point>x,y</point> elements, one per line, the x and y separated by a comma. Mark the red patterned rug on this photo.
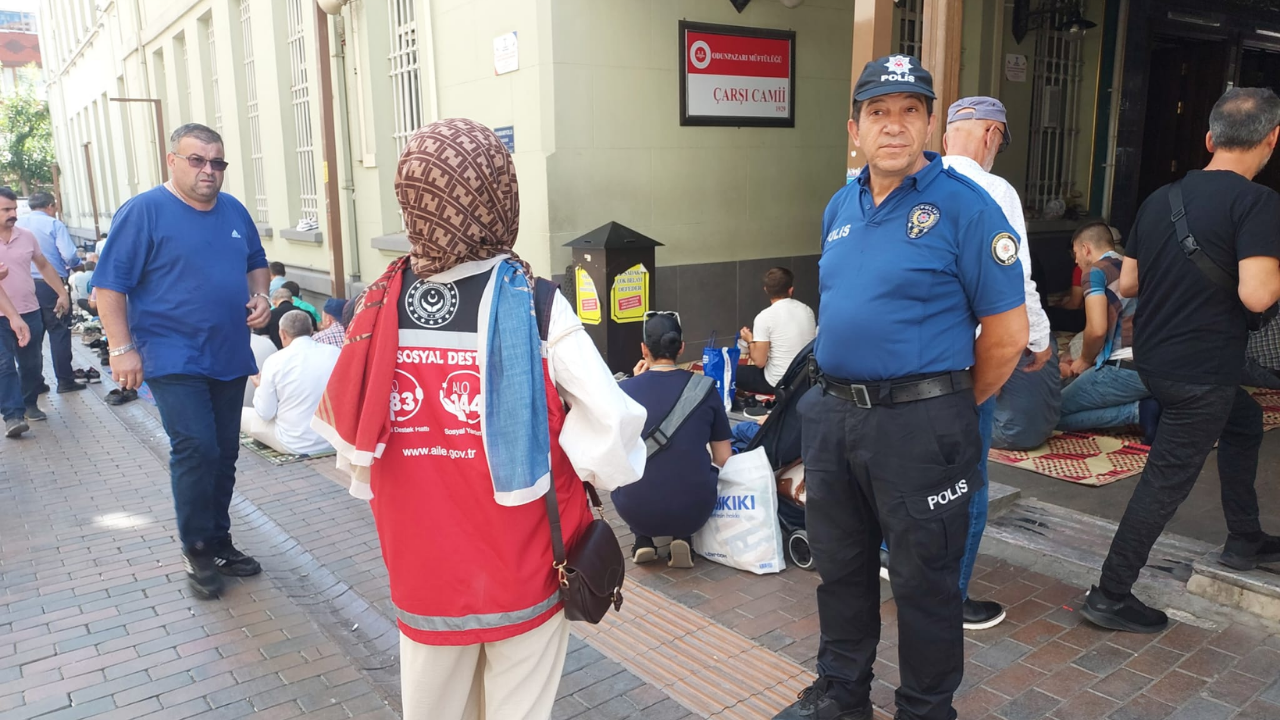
<point>1096,459</point>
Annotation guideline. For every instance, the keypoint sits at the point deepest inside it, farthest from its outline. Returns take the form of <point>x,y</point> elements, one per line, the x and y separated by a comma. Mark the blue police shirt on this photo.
<point>55,243</point>
<point>185,273</point>
<point>903,284</point>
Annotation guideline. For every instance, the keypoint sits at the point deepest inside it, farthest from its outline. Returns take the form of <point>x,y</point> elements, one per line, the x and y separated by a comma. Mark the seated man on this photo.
<point>332,331</point>
<point>79,282</point>
<point>1262,358</point>
<point>282,301</point>
<point>290,384</point>
<point>1107,390</point>
<point>781,332</point>
<point>301,304</point>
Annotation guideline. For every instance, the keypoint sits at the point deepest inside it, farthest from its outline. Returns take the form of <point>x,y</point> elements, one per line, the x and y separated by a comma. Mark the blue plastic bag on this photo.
<point>721,364</point>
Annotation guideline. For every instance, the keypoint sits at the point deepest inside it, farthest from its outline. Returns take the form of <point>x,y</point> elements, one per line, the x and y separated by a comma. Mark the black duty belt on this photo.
<point>864,395</point>
<point>1122,364</point>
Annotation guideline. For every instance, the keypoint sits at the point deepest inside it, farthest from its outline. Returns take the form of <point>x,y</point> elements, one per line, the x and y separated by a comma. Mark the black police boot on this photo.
<point>815,703</point>
<point>1127,615</point>
<point>1245,553</point>
<point>202,575</point>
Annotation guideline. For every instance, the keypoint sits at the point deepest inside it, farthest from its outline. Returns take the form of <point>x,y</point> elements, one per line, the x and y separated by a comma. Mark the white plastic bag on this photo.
<point>743,532</point>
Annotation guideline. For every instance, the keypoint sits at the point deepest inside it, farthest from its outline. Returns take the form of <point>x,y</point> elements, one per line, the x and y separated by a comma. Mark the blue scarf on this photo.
<point>516,435</point>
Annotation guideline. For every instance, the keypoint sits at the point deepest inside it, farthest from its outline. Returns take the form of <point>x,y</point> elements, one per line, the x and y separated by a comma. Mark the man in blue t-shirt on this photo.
<point>184,282</point>
<point>915,257</point>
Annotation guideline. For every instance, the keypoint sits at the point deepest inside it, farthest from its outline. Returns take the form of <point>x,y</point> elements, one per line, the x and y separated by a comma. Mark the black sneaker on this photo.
<point>202,575</point>
<point>982,614</point>
<point>815,704</point>
<point>34,413</point>
<point>643,551</point>
<point>73,387</point>
<point>231,561</point>
<point>1128,615</point>
<point>15,427</point>
<point>1242,554</point>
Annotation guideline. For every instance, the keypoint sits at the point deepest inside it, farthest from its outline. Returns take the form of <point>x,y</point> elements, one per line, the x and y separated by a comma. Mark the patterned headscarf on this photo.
<point>457,187</point>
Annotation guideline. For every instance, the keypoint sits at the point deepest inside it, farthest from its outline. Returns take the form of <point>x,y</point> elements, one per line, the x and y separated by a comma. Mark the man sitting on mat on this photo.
<point>1107,391</point>
<point>289,389</point>
<point>782,330</point>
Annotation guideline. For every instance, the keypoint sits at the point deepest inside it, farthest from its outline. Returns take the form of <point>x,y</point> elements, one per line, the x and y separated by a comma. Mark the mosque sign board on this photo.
<point>737,76</point>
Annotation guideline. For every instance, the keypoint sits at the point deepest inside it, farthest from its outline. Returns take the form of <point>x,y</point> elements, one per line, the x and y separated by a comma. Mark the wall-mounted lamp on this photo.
<point>1065,16</point>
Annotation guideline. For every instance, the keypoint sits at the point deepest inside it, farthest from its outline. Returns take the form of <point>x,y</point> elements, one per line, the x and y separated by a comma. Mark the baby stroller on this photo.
<point>780,438</point>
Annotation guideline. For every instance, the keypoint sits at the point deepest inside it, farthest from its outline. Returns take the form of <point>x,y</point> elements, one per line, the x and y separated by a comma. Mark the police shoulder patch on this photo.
<point>1004,248</point>
<point>922,218</point>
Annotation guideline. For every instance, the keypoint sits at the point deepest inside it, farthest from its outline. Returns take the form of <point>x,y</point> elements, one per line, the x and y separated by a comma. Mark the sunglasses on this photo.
<point>197,162</point>
<point>669,313</point>
<point>1004,138</point>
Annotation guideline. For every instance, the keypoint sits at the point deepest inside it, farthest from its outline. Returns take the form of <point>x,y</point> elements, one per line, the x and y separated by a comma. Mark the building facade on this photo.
<point>1107,100</point>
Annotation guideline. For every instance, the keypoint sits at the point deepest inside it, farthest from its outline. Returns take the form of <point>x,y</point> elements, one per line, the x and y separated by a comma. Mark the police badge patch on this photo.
<point>923,217</point>
<point>1004,248</point>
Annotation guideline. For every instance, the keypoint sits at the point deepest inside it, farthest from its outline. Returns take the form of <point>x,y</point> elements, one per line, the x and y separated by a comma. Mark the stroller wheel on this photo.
<point>798,550</point>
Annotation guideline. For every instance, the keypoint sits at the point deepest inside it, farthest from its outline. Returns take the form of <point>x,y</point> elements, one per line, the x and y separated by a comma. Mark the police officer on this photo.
<point>914,258</point>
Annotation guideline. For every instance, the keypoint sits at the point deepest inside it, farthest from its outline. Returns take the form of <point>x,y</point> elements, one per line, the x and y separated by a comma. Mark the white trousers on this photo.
<point>513,679</point>
<point>264,431</point>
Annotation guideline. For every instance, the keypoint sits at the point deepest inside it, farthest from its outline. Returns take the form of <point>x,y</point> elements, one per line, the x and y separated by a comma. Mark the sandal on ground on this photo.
<point>120,397</point>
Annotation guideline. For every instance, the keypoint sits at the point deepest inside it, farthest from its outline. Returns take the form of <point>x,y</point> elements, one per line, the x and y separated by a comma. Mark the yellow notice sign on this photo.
<point>588,300</point>
<point>629,299</point>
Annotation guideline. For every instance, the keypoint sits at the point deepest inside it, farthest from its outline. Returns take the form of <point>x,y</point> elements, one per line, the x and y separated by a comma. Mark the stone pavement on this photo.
<point>95,618</point>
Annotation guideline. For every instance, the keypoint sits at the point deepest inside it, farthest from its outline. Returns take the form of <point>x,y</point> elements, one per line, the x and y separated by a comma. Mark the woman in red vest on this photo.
<point>449,413</point>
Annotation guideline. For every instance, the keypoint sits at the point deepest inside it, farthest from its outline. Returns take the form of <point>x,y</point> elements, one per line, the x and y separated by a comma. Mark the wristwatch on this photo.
<point>264,296</point>
<point>117,352</point>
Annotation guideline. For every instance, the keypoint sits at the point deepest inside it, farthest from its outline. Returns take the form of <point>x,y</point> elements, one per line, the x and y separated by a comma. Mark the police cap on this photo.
<point>893,74</point>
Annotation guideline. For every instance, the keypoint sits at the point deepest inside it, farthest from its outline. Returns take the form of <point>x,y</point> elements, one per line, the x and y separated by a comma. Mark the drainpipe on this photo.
<point>332,211</point>
<point>340,57</point>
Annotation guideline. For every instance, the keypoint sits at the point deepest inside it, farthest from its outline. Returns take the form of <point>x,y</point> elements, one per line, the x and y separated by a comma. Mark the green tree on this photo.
<point>26,142</point>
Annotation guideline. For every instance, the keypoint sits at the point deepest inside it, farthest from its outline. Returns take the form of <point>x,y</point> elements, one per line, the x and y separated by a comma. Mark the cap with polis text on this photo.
<point>893,74</point>
<point>980,108</point>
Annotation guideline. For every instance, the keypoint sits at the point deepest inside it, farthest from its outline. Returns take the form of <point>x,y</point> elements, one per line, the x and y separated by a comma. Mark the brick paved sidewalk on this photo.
<point>95,618</point>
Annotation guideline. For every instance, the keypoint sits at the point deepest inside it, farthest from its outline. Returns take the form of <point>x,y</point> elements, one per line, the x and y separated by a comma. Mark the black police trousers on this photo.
<point>904,473</point>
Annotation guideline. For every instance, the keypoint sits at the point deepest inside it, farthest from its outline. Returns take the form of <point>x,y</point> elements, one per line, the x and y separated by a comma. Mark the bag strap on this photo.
<point>1191,248</point>
<point>544,297</point>
<point>695,391</point>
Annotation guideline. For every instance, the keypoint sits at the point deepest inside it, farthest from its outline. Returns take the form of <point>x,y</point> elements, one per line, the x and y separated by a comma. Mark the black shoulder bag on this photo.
<point>591,572</point>
<point>1211,270</point>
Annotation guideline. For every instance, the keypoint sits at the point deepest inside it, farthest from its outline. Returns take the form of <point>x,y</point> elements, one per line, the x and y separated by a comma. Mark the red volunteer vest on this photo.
<point>463,569</point>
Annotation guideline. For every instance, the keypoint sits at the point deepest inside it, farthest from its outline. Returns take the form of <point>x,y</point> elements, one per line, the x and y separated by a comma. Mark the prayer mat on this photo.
<point>275,457</point>
<point>1101,458</point>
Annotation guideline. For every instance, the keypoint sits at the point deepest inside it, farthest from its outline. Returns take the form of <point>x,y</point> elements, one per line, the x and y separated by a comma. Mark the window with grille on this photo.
<point>405,83</point>
<point>909,17</point>
<point>1055,103</point>
<point>301,94</point>
<point>251,113</point>
<point>216,100</point>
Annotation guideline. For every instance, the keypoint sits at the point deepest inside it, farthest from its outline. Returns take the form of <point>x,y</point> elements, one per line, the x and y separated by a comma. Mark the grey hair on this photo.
<point>1243,117</point>
<point>296,324</point>
<point>281,295</point>
<point>39,201</point>
<point>203,133</point>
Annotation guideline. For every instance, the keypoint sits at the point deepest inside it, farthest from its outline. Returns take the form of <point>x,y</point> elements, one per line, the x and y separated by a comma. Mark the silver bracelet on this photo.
<point>117,352</point>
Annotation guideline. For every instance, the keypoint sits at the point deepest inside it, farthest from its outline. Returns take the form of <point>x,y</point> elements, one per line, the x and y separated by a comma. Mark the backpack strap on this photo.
<point>1191,248</point>
<point>695,391</point>
<point>544,297</point>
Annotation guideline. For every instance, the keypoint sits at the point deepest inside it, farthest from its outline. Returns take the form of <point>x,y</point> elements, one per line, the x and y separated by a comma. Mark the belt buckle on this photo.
<point>861,397</point>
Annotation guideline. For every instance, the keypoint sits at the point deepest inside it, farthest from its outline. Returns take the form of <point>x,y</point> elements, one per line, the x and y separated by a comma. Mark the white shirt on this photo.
<point>787,325</point>
<point>262,348</point>
<point>293,381</point>
<point>1007,198</point>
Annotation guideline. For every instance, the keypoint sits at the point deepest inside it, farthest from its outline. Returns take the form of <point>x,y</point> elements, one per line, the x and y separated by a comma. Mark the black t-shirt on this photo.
<point>1187,328</point>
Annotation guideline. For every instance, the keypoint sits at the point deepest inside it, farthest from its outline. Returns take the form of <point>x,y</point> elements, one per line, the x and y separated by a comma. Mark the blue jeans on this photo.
<point>1102,397</point>
<point>20,385</point>
<point>59,333</point>
<point>202,417</point>
<point>978,504</point>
